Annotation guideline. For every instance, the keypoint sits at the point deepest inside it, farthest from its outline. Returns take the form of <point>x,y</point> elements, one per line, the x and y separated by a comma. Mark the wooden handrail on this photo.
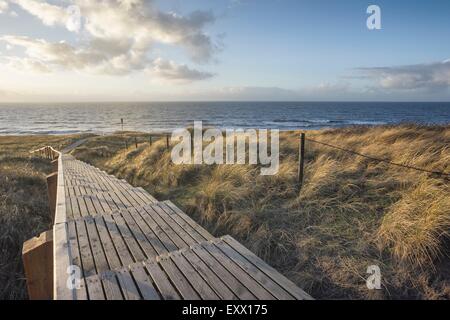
<point>48,152</point>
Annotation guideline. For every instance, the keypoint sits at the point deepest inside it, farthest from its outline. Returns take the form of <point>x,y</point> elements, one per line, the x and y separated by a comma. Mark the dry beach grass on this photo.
<point>352,212</point>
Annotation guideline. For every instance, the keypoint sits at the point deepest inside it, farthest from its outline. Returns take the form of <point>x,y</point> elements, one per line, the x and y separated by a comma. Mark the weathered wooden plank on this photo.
<point>87,259</point>
<point>119,243</point>
<point>75,208</point>
<point>180,243</point>
<point>129,289</point>
<point>98,254</point>
<point>110,201</point>
<point>73,242</point>
<point>197,236</point>
<point>111,286</point>
<point>189,220</point>
<point>267,269</point>
<point>209,276</point>
<point>110,251</point>
<point>255,273</point>
<point>89,205</point>
<point>127,235</point>
<point>83,208</point>
<point>144,283</point>
<point>149,233</point>
<point>162,236</point>
<point>146,246</point>
<point>198,233</point>
<point>94,287</point>
<point>186,237</point>
<point>256,289</point>
<point>161,281</point>
<point>239,290</point>
<point>178,279</point>
<point>196,281</point>
<point>104,202</point>
<point>117,200</point>
<point>97,205</point>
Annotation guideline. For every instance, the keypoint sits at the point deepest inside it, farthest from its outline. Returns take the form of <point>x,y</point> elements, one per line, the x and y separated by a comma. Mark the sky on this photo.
<point>301,50</point>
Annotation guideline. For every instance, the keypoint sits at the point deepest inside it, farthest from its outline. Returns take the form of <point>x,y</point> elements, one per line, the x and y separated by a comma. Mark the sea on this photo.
<point>105,117</point>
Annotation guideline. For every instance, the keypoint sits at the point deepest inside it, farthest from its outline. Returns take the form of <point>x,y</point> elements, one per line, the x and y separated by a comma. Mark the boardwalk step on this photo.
<point>120,237</point>
<point>215,269</point>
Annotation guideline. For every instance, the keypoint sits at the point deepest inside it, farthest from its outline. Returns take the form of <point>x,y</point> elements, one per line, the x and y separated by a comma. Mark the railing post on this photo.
<point>37,256</point>
<point>301,160</point>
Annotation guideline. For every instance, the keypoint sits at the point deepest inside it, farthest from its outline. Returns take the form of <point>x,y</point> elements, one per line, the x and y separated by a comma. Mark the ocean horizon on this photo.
<point>105,117</point>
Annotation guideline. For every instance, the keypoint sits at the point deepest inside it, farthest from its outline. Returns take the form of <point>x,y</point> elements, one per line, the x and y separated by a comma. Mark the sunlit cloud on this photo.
<point>118,37</point>
<point>3,6</point>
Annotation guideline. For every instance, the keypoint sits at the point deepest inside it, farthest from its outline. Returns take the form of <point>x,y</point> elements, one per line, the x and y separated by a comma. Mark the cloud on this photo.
<point>27,64</point>
<point>3,6</point>
<point>54,54</point>
<point>169,70</point>
<point>433,76</point>
<point>118,35</point>
<point>49,14</point>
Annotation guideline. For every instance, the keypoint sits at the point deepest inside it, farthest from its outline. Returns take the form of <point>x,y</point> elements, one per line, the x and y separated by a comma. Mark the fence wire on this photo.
<point>445,175</point>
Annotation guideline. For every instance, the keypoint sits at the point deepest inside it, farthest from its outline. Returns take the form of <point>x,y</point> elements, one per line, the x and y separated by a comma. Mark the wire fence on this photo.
<point>444,175</point>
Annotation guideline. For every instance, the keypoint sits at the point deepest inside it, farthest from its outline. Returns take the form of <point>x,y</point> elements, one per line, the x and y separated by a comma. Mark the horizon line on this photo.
<point>213,101</point>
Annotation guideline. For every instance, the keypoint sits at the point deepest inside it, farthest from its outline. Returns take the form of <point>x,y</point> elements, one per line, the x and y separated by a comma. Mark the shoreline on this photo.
<point>169,131</point>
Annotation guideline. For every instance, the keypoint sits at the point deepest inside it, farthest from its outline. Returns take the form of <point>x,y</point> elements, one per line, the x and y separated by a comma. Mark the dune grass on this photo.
<point>352,212</point>
<point>24,211</point>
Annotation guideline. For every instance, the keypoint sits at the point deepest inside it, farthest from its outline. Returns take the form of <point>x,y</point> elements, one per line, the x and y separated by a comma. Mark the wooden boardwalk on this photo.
<point>127,245</point>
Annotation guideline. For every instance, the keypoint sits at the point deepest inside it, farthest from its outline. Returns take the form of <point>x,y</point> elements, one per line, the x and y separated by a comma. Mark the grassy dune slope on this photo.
<point>351,213</point>
<point>24,209</point>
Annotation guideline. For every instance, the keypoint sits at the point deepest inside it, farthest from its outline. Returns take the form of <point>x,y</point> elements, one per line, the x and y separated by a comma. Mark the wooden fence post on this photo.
<point>150,139</point>
<point>135,142</point>
<point>37,257</point>
<point>167,141</point>
<point>301,160</point>
<point>192,143</point>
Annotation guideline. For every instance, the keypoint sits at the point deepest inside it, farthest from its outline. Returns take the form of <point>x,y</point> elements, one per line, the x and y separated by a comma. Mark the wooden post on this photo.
<point>150,138</point>
<point>126,144</point>
<point>37,257</point>
<point>192,144</point>
<point>135,142</point>
<point>301,160</point>
<point>52,182</point>
<point>167,141</point>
